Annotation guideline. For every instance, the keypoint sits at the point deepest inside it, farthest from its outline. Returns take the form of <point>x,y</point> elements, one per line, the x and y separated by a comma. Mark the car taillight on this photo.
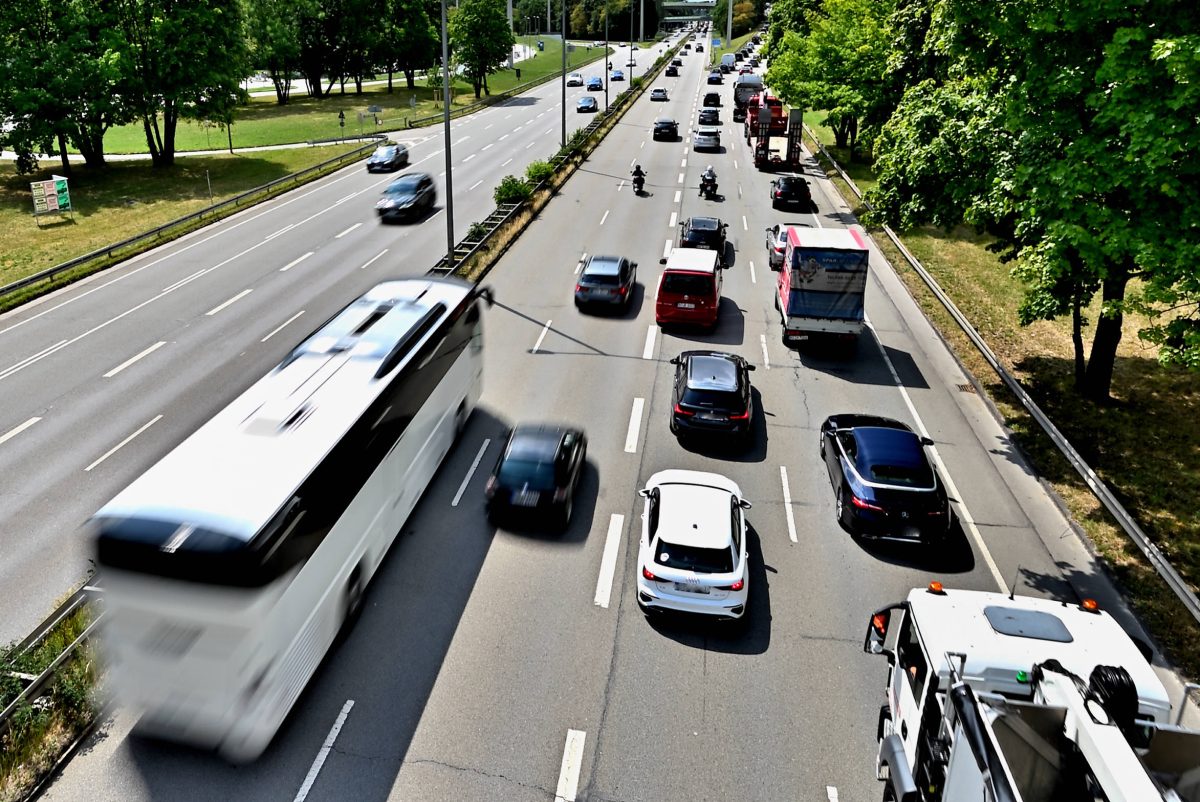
<point>646,573</point>
<point>489,489</point>
<point>779,193</point>
<point>863,504</point>
<point>681,411</point>
<point>743,416</point>
<point>578,287</point>
<point>738,585</point>
<point>560,495</point>
<point>622,290</point>
<point>936,512</point>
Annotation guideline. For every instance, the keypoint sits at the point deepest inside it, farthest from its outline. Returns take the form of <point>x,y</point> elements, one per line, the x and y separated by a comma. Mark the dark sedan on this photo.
<point>715,77</point>
<point>666,128</point>
<point>587,103</point>
<point>703,232</point>
<point>709,116</point>
<point>885,485</point>
<point>606,280</point>
<point>387,158</point>
<point>712,396</point>
<point>409,195</point>
<point>711,100</point>
<point>672,71</point>
<point>537,474</point>
<point>790,190</point>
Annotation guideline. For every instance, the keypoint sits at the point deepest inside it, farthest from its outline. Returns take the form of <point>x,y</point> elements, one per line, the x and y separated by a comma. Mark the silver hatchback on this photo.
<point>606,280</point>
<point>707,137</point>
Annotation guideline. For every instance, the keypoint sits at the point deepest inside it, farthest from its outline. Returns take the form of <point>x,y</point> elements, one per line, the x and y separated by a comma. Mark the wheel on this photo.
<point>352,601</point>
<point>822,448</point>
<point>460,420</point>
<point>842,510</point>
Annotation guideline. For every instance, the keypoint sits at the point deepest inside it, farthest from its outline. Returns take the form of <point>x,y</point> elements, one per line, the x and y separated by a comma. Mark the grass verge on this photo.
<point>1152,425</point>
<point>39,732</point>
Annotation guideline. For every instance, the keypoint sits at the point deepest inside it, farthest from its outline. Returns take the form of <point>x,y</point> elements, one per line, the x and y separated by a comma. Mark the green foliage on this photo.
<point>512,190</point>
<point>482,39</point>
<point>413,38</point>
<point>538,171</point>
<point>476,232</point>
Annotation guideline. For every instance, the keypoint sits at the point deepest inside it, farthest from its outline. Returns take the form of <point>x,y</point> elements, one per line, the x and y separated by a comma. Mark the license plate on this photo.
<point>911,532</point>
<point>525,498</point>
<point>686,306</point>
<point>689,588</point>
<point>716,416</point>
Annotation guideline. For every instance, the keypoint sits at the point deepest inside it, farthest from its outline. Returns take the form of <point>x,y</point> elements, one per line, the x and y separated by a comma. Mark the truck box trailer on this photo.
<point>822,283</point>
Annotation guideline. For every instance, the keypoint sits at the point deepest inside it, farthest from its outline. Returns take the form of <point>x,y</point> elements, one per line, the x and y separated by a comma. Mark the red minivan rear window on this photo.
<point>687,283</point>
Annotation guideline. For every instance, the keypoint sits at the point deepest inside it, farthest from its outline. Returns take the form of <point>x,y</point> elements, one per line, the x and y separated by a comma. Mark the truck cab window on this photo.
<point>911,657</point>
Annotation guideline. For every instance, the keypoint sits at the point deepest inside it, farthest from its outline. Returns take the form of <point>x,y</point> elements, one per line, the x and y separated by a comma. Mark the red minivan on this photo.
<point>689,290</point>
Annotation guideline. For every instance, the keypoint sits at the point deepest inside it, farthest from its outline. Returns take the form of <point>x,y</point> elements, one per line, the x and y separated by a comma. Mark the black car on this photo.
<point>672,71</point>
<point>711,100</point>
<point>709,117</point>
<point>587,103</point>
<point>884,483</point>
<point>712,396</point>
<point>703,232</point>
<point>409,195</point>
<point>666,128</point>
<point>387,158</point>
<point>676,62</point>
<point>537,474</point>
<point>790,189</point>
<point>715,77</point>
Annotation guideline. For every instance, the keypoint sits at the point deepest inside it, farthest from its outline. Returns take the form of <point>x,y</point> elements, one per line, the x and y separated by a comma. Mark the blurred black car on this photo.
<point>885,485</point>
<point>537,474</point>
<point>409,195</point>
<point>666,128</point>
<point>790,190</point>
<point>387,158</point>
<point>711,100</point>
<point>672,71</point>
<point>712,396</point>
<point>709,117</point>
<point>703,232</point>
<point>715,77</point>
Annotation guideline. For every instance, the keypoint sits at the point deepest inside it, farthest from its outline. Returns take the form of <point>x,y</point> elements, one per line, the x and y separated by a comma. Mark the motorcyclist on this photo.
<point>708,178</point>
<point>639,176</point>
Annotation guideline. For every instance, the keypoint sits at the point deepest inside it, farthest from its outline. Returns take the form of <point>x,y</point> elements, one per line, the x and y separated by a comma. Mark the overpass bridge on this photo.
<point>677,13</point>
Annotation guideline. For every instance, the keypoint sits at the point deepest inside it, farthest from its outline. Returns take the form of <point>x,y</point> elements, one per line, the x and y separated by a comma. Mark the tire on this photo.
<point>460,420</point>
<point>352,601</point>
<point>822,447</point>
<point>841,513</point>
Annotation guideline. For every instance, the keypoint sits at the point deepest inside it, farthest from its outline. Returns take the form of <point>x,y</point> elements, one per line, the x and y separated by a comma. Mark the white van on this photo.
<point>727,62</point>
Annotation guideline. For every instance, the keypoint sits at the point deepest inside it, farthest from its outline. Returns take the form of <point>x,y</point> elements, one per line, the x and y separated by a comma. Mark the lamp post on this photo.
<point>564,73</point>
<point>606,62</point>
<point>446,128</point>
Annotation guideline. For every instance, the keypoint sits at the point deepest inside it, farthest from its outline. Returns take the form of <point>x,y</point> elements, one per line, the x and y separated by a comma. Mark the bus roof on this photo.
<point>233,473</point>
<point>846,239</point>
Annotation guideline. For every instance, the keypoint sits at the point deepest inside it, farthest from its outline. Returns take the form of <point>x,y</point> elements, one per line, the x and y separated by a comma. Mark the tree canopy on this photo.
<point>482,39</point>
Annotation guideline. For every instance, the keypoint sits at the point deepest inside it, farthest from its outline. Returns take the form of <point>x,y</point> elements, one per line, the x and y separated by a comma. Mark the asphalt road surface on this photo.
<point>500,665</point>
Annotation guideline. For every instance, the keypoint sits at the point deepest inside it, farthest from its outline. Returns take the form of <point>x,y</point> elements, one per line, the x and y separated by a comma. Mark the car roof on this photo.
<point>692,260</point>
<point>693,513</point>
<point>666,120</point>
<point>704,223</point>
<point>885,446</point>
<point>711,370</point>
<point>535,443</point>
<point>603,265</point>
<point>407,180</point>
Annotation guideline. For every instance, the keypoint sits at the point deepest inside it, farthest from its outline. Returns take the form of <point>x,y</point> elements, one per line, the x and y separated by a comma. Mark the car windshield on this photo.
<point>406,185</point>
<point>699,235</point>
<point>385,152</point>
<point>788,182</point>
<point>686,283</point>
<point>694,558</point>
<point>521,472</point>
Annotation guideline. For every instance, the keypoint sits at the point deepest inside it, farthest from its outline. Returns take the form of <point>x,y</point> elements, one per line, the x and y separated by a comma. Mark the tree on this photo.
<point>273,28</point>
<point>64,79</point>
<point>317,34</point>
<point>177,54</point>
<point>482,39</point>
<point>412,41</point>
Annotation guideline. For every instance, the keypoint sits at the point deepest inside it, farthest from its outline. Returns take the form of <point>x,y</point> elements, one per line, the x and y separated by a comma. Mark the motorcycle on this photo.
<point>708,187</point>
<point>639,181</point>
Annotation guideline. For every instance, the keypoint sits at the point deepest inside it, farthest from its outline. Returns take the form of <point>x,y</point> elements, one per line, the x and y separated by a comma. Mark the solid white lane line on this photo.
<point>477,183</point>
<point>371,261</point>
<point>123,443</point>
<point>605,217</point>
<point>964,514</point>
<point>232,300</point>
<point>762,338</point>
<point>11,433</point>
<point>608,560</point>
<point>507,163</point>
<point>678,195</point>
<point>283,230</point>
<point>744,226</point>
<point>541,337</point>
<point>472,156</point>
<point>183,281</point>
<point>635,425</point>
<point>648,350</point>
<point>347,231</point>
<point>572,761</point>
<point>681,178</point>
<point>817,218</point>
<point>295,262</point>
<point>467,479</point>
<point>282,326</point>
<point>787,504</point>
<point>326,748</point>
<point>753,278</point>
<point>831,793</point>
<point>29,360</point>
<point>674,219</point>
<point>667,249</point>
<point>133,359</point>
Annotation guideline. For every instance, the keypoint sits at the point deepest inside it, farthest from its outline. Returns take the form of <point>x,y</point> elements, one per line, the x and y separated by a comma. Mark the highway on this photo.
<point>102,378</point>
<point>499,665</point>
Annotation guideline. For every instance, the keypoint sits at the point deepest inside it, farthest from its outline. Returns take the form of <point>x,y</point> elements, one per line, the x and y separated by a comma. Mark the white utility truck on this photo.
<point>1004,698</point>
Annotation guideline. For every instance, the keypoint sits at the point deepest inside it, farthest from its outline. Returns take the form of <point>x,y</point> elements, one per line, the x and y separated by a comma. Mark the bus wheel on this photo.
<point>352,604</point>
<point>460,419</point>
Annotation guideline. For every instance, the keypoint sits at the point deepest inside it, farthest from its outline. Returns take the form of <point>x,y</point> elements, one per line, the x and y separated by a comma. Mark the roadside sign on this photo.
<point>374,109</point>
<point>716,43</point>
<point>51,196</point>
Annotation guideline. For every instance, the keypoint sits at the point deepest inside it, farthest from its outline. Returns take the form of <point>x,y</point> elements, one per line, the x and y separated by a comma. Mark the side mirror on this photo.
<point>674,360</point>
<point>644,493</point>
<point>662,261</point>
<point>745,505</point>
<point>488,294</point>
<point>749,367</point>
<point>776,268</point>
<point>635,264</point>
<point>878,630</point>
<point>926,441</point>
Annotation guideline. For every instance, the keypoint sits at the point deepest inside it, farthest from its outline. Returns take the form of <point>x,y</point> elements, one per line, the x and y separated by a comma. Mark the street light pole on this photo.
<point>564,73</point>
<point>446,128</point>
<point>607,70</point>
<point>641,20</point>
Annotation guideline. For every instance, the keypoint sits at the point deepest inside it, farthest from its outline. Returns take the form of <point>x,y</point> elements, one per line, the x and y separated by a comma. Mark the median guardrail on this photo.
<point>1100,490</point>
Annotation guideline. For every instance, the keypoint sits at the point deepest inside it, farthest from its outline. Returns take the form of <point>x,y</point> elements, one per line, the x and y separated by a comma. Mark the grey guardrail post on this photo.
<point>1100,490</point>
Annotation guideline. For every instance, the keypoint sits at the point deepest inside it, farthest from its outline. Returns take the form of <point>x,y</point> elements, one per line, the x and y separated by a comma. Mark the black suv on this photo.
<point>712,396</point>
<point>537,474</point>
<point>790,190</point>
<point>703,232</point>
<point>712,100</point>
<point>666,128</point>
<point>709,116</point>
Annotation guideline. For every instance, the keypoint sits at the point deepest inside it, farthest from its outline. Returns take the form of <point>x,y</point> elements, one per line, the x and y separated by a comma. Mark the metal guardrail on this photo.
<point>216,210</point>
<point>1100,490</point>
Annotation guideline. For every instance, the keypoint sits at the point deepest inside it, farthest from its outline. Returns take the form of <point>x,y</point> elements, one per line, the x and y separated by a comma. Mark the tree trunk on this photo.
<point>62,152</point>
<point>1101,363</point>
<point>1077,341</point>
<point>389,79</point>
<point>411,77</point>
<point>358,83</point>
<point>229,133</point>
<point>153,143</point>
<point>841,134</point>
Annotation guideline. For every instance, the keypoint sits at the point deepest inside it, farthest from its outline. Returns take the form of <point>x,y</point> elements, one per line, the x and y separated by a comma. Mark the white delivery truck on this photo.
<point>994,697</point>
<point>822,282</point>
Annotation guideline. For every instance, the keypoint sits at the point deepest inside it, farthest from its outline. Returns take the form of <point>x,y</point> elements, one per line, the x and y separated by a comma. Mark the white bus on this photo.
<point>231,564</point>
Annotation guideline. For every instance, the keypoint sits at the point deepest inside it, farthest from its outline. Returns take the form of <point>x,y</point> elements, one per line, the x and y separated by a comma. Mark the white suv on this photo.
<point>692,554</point>
<point>575,79</point>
